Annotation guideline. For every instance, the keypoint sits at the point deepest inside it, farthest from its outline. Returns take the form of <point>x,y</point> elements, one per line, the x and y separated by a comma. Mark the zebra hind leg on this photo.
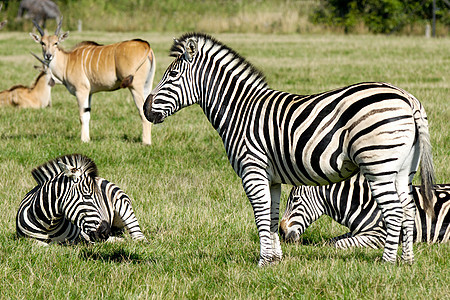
<point>405,192</point>
<point>385,194</point>
<point>275,193</point>
<point>259,194</point>
<point>409,210</point>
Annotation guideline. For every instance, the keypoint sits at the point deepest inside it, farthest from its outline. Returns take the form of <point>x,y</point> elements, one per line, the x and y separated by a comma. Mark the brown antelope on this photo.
<point>36,96</point>
<point>91,68</point>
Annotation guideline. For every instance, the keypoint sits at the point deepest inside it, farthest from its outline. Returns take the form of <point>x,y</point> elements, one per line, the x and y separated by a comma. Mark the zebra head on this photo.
<point>302,210</point>
<point>177,88</point>
<point>82,201</point>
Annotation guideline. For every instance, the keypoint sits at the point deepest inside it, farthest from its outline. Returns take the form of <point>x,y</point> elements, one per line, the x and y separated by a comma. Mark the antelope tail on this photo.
<point>152,59</point>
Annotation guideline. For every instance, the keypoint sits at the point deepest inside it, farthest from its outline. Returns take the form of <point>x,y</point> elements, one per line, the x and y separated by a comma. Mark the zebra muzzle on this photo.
<point>286,234</point>
<point>154,117</point>
<point>102,233</point>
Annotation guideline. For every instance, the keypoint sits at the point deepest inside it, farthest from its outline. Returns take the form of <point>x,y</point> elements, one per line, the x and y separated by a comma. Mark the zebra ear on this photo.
<point>190,49</point>
<point>70,171</point>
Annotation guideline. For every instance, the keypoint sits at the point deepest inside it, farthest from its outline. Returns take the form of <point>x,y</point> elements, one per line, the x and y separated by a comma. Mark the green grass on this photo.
<point>203,241</point>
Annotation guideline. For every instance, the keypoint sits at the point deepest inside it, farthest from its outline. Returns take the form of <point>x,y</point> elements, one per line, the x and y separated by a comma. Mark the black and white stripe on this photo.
<point>351,204</point>
<point>273,137</point>
<point>71,203</point>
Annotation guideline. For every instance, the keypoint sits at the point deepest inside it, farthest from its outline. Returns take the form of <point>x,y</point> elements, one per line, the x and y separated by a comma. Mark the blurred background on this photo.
<point>406,17</point>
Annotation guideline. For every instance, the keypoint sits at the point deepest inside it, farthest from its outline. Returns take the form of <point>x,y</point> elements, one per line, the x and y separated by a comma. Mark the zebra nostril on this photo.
<point>104,230</point>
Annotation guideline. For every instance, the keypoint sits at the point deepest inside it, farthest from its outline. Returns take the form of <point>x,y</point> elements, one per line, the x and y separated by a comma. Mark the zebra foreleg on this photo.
<point>347,241</point>
<point>124,217</point>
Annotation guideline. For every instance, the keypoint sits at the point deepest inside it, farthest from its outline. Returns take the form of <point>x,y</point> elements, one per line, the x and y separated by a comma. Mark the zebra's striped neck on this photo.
<point>225,80</point>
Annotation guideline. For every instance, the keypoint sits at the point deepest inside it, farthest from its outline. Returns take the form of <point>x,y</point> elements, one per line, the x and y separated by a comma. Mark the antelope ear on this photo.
<point>190,49</point>
<point>35,37</point>
<point>63,36</point>
<point>70,171</point>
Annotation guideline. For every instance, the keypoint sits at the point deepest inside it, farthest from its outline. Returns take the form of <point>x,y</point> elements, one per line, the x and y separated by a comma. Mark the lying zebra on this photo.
<point>71,204</point>
<point>350,203</point>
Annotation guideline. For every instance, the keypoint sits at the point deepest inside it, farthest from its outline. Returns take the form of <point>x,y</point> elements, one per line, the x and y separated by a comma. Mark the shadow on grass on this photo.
<point>115,256</point>
<point>321,249</point>
<point>23,136</point>
<point>131,139</point>
<point>326,252</point>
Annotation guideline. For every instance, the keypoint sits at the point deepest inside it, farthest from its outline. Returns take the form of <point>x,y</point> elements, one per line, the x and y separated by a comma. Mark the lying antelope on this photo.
<point>36,96</point>
<point>91,68</point>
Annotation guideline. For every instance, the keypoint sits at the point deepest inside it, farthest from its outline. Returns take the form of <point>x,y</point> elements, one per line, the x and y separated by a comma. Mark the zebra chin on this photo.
<point>155,117</point>
<point>102,233</point>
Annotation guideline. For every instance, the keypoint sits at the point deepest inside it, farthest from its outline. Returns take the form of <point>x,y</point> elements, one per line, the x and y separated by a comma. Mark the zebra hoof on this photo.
<point>269,262</point>
<point>408,260</point>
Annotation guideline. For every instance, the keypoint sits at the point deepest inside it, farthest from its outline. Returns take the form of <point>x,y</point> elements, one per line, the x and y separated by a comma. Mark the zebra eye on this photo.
<point>173,73</point>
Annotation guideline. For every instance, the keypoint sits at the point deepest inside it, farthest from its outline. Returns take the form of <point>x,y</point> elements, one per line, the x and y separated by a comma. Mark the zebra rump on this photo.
<point>350,203</point>
<point>71,203</point>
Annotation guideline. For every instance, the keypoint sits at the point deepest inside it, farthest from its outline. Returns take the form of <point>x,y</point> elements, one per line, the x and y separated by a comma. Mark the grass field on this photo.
<point>203,241</point>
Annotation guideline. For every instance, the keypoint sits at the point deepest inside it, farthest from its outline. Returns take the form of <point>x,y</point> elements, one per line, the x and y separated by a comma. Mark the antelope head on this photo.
<point>46,69</point>
<point>49,43</point>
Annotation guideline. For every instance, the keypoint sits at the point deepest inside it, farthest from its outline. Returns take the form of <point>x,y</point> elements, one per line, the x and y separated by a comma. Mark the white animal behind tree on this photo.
<point>2,23</point>
<point>37,96</point>
<point>90,68</point>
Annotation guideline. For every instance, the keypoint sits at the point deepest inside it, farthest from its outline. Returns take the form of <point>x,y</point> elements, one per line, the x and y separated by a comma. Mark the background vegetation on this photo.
<point>263,16</point>
<point>381,16</point>
<point>203,241</point>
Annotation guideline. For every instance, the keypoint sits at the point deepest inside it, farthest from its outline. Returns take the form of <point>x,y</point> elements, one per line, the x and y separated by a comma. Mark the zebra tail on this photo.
<point>426,162</point>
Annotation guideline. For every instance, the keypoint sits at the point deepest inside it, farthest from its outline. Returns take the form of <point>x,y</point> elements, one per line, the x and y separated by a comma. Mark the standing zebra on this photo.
<point>273,137</point>
<point>71,203</point>
<point>350,203</point>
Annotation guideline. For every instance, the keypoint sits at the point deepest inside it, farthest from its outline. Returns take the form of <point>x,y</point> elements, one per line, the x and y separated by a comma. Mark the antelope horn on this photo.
<point>39,59</point>
<point>38,27</point>
<point>58,29</point>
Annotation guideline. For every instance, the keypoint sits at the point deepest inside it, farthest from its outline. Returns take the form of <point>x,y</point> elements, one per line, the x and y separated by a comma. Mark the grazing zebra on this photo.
<point>273,137</point>
<point>71,203</point>
<point>351,204</point>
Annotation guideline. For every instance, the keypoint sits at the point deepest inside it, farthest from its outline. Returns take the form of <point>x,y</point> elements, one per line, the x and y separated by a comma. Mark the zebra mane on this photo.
<point>50,169</point>
<point>178,47</point>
